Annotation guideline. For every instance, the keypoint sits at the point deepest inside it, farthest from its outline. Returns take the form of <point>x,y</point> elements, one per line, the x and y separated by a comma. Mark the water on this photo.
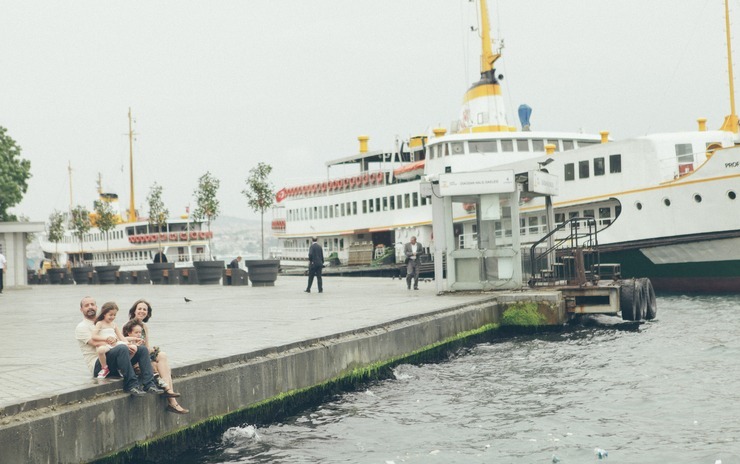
<point>603,391</point>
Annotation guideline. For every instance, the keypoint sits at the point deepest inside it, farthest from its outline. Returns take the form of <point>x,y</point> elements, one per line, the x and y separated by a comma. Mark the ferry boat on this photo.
<point>665,204</point>
<point>130,244</point>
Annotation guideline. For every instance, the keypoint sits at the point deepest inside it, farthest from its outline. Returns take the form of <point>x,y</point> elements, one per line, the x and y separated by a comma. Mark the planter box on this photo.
<point>83,275</point>
<point>107,274</point>
<point>262,272</point>
<point>209,272</point>
<point>55,275</point>
<point>156,271</point>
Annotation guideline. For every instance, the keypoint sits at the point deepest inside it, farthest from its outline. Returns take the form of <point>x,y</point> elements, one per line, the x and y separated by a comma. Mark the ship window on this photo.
<point>423,200</point>
<point>684,153</point>
<point>415,199</point>
<point>568,145</point>
<point>349,208</point>
<point>533,224</point>
<point>354,208</point>
<point>393,202</point>
<point>364,206</point>
<point>570,172</point>
<point>377,204</point>
<point>484,146</point>
<point>326,213</point>
<point>605,215</point>
<point>444,150</point>
<point>507,145</point>
<point>731,195</point>
<point>559,218</point>
<point>457,148</point>
<point>599,167</point>
<point>667,201</point>
<point>371,206</point>
<point>522,145</point>
<point>638,205</point>
<point>385,203</point>
<point>697,198</point>
<point>588,213</point>
<point>538,145</point>
<point>583,169</point>
<point>573,214</point>
<point>615,164</point>
<point>406,200</point>
<point>398,202</point>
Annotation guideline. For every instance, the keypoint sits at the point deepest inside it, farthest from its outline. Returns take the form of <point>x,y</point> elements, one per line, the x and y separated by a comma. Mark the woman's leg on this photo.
<point>165,373</point>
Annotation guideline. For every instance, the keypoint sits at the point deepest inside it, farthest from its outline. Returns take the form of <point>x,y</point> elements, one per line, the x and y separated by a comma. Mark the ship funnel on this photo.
<point>702,124</point>
<point>525,111</point>
<point>604,136</point>
<point>439,131</point>
<point>363,143</point>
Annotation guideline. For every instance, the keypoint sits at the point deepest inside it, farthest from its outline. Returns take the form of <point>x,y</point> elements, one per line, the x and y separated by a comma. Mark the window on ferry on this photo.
<point>385,203</point>
<point>615,164</point>
<point>364,206</point>
<point>415,199</point>
<point>483,146</point>
<point>568,145</point>
<point>433,152</point>
<point>583,169</point>
<point>507,145</point>
<point>533,224</point>
<point>406,200</point>
<point>377,204</point>
<point>570,171</point>
<point>538,145</point>
<point>341,210</point>
<point>684,153</point>
<point>599,167</point>
<point>393,202</point>
<point>371,206</point>
<point>341,244</point>
<point>336,211</point>
<point>588,213</point>
<point>398,202</point>
<point>423,201</point>
<point>354,208</point>
<point>605,215</point>
<point>336,244</point>
<point>522,145</point>
<point>457,148</point>
<point>444,152</point>
<point>559,218</point>
<point>573,214</point>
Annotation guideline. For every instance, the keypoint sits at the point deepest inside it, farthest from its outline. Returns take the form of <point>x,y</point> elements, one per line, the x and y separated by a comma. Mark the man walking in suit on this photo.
<point>315,265</point>
<point>3,267</point>
<point>412,250</point>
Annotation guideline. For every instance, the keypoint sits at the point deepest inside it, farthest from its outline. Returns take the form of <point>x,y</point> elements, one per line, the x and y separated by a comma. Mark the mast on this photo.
<point>487,57</point>
<point>731,120</point>
<point>71,201</point>
<point>132,209</point>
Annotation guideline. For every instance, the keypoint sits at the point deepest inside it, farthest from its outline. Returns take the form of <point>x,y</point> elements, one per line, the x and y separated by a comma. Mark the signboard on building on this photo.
<point>476,183</point>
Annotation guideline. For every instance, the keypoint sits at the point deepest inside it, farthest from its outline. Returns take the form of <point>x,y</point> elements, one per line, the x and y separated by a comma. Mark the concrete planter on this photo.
<point>107,274</point>
<point>156,271</point>
<point>55,275</point>
<point>82,275</point>
<point>209,272</point>
<point>262,272</point>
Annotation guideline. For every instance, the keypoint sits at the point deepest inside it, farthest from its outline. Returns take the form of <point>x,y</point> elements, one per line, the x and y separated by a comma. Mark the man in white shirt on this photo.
<point>120,358</point>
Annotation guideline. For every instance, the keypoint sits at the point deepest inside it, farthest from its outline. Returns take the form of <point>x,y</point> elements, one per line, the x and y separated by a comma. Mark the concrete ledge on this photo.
<point>88,424</point>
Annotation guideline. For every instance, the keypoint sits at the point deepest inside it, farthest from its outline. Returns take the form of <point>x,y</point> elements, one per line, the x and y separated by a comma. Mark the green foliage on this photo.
<point>523,315</point>
<point>158,213</point>
<point>105,220</point>
<point>55,227</point>
<point>80,223</point>
<point>14,175</point>
<point>207,205</point>
<point>260,194</point>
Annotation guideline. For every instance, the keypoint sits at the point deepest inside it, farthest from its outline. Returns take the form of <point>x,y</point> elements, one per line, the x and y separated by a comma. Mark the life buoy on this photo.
<point>163,236</point>
<point>345,182</point>
<point>193,235</point>
<point>314,187</point>
<point>373,179</point>
<point>380,177</point>
<point>202,235</point>
<point>209,234</point>
<point>365,178</point>
<point>153,238</point>
<point>323,186</point>
<point>173,237</point>
<point>130,239</point>
<point>352,182</point>
<point>183,235</point>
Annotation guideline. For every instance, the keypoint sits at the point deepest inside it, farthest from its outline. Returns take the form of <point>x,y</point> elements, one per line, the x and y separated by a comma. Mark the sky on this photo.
<point>221,86</point>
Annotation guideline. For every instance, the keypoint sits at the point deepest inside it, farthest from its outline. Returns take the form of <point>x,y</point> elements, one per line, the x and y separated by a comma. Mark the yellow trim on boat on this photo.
<point>485,90</point>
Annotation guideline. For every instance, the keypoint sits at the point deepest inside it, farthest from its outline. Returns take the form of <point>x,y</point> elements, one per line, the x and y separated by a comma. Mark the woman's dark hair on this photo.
<point>107,307</point>
<point>129,327</point>
<point>133,309</point>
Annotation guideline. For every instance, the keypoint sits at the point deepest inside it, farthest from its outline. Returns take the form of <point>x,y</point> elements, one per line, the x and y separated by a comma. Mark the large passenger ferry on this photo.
<point>665,204</point>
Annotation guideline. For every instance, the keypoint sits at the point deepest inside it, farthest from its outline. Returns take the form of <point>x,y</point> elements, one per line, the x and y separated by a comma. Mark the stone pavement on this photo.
<point>40,358</point>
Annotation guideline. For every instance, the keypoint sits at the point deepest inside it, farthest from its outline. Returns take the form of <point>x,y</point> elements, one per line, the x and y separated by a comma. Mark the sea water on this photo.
<point>602,390</point>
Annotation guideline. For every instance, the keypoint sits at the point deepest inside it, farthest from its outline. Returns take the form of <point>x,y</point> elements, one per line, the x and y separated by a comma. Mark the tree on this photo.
<point>260,195</point>
<point>14,175</point>
<point>80,225</point>
<point>207,205</point>
<point>105,220</point>
<point>158,213</point>
<point>55,232</point>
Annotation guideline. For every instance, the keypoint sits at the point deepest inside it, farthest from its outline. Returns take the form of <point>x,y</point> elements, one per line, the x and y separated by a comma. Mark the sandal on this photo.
<point>171,394</point>
<point>177,409</point>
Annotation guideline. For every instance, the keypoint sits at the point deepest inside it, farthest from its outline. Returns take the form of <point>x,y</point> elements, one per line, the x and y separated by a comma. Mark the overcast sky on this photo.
<point>220,86</point>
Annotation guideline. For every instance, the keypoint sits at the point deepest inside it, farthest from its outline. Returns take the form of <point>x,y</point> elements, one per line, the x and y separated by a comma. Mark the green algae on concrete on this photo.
<point>291,402</point>
<point>523,315</point>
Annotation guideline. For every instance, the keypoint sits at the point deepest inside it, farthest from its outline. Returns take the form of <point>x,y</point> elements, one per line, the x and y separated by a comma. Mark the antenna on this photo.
<point>731,121</point>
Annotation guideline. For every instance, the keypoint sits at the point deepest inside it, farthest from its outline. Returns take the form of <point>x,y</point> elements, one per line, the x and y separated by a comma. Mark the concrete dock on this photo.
<point>230,347</point>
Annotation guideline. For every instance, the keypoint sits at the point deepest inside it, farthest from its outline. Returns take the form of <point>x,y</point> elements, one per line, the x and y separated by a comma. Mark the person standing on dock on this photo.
<point>315,264</point>
<point>3,266</point>
<point>121,358</point>
<point>412,250</point>
<point>234,264</point>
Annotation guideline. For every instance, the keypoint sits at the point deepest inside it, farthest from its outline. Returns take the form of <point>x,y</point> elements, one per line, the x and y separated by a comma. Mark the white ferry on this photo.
<point>133,244</point>
<point>665,204</point>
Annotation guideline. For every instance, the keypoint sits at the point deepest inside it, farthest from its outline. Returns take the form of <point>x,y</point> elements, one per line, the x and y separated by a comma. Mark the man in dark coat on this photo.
<point>315,265</point>
<point>412,250</point>
<point>235,262</point>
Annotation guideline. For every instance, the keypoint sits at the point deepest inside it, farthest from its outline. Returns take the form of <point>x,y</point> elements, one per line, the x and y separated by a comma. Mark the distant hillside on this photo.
<point>236,236</point>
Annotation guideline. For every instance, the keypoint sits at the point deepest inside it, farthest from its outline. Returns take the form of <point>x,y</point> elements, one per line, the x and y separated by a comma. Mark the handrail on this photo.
<point>587,239</point>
